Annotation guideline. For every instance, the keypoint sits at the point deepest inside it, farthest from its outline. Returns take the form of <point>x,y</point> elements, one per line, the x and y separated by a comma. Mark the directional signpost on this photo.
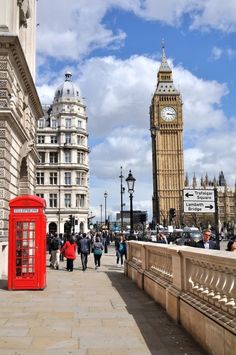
<point>199,200</point>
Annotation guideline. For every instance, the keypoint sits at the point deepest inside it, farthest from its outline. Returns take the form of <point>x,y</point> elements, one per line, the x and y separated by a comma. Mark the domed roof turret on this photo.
<point>67,89</point>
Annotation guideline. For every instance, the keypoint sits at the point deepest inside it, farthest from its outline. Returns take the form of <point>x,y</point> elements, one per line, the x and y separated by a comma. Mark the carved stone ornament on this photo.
<point>24,12</point>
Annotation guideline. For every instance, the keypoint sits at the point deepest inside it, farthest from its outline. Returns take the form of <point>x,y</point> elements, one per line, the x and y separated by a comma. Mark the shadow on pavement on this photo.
<point>162,335</point>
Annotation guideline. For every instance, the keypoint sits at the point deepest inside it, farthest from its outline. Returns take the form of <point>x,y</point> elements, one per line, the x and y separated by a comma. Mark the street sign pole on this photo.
<point>217,219</point>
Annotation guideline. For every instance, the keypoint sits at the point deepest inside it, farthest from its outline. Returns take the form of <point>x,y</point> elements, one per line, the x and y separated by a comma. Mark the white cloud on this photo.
<point>120,92</point>
<point>215,14</point>
<point>216,53</point>
<point>202,100</point>
<point>73,31</point>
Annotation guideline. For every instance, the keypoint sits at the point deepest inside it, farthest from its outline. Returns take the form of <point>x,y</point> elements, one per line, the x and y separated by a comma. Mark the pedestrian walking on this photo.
<point>206,242</point>
<point>84,249</point>
<point>55,252</point>
<point>97,250</point>
<point>69,251</point>
<point>121,250</point>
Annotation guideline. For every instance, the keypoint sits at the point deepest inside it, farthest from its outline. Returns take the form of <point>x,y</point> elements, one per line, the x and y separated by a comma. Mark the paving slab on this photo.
<point>88,313</point>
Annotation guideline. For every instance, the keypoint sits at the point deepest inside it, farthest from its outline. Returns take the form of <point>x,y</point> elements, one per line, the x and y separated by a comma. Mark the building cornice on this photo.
<point>11,43</point>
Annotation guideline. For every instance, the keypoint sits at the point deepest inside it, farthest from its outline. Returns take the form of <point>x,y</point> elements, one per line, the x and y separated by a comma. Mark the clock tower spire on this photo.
<point>166,124</point>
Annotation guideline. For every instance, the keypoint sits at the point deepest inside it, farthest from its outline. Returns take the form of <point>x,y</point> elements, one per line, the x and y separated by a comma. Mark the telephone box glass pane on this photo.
<point>25,249</point>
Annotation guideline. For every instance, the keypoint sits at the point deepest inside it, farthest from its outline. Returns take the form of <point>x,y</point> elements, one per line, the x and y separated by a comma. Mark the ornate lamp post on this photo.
<point>122,190</point>
<point>101,214</point>
<point>130,183</point>
<point>105,198</point>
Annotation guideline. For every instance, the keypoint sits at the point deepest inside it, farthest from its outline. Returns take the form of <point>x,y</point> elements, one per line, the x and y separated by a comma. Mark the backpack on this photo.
<point>55,244</point>
<point>121,248</point>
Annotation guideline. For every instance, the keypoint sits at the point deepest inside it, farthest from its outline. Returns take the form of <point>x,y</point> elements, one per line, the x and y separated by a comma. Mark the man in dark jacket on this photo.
<point>206,243</point>
<point>84,249</point>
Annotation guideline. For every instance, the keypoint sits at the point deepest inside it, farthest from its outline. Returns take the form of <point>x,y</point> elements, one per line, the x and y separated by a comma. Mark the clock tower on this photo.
<point>166,126</point>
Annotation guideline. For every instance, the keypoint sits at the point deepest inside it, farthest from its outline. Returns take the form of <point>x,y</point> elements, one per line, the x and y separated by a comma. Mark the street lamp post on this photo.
<point>101,214</point>
<point>105,205</point>
<point>130,182</point>
<point>122,190</point>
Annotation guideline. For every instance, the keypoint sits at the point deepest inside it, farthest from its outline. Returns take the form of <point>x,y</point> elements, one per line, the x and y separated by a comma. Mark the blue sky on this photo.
<point>113,50</point>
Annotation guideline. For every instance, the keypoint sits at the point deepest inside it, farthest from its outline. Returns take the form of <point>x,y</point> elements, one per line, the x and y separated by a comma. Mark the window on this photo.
<point>52,200</point>
<point>53,178</point>
<point>54,123</point>
<point>68,178</point>
<point>41,123</point>
<point>67,156</point>
<point>80,157</point>
<point>68,138</point>
<point>42,157</point>
<point>40,195</point>
<point>80,140</point>
<point>53,157</point>
<point>80,178</point>
<point>40,139</point>
<point>79,124</point>
<point>68,123</point>
<point>80,201</point>
<point>67,200</point>
<point>40,178</point>
<point>53,139</point>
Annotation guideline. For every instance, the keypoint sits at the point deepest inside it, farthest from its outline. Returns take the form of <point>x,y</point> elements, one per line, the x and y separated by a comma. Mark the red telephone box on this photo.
<point>27,243</point>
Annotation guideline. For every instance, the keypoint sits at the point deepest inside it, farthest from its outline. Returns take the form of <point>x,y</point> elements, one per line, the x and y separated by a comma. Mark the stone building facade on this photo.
<point>20,108</point>
<point>62,174</point>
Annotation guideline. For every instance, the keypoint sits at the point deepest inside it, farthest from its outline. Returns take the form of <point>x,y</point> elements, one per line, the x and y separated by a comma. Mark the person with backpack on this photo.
<point>55,252</point>
<point>97,250</point>
<point>121,250</point>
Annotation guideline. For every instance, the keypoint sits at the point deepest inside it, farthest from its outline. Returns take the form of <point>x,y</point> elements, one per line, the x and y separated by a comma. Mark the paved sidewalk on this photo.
<point>86,313</point>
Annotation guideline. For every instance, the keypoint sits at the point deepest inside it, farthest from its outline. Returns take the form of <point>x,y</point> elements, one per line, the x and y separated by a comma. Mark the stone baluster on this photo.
<point>220,284</point>
<point>208,282</point>
<point>230,305</point>
<point>205,282</point>
<point>194,275</point>
<point>198,277</point>
<point>202,277</point>
<point>226,288</point>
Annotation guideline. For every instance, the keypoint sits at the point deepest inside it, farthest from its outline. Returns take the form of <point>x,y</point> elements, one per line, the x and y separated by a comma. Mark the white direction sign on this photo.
<point>199,200</point>
<point>199,195</point>
<point>199,207</point>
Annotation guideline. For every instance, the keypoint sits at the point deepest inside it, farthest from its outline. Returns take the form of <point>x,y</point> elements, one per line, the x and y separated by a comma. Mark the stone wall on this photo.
<point>197,287</point>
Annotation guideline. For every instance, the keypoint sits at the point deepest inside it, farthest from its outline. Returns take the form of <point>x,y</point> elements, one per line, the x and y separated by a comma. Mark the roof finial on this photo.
<point>163,51</point>
<point>68,76</point>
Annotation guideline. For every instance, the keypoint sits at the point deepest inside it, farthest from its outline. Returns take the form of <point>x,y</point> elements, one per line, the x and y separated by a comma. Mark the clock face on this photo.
<point>168,114</point>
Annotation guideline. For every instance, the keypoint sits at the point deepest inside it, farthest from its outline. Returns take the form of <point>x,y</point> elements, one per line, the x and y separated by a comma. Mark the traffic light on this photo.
<point>172,214</point>
<point>71,219</point>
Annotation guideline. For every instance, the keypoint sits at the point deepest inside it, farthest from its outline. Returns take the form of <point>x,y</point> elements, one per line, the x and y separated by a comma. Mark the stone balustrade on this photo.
<point>197,287</point>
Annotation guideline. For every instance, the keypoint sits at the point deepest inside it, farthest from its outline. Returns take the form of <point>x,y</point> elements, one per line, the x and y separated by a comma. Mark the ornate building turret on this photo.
<point>222,181</point>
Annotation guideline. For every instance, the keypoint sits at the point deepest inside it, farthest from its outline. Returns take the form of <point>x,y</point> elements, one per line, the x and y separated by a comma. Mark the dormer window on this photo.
<point>68,91</point>
<point>41,123</point>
